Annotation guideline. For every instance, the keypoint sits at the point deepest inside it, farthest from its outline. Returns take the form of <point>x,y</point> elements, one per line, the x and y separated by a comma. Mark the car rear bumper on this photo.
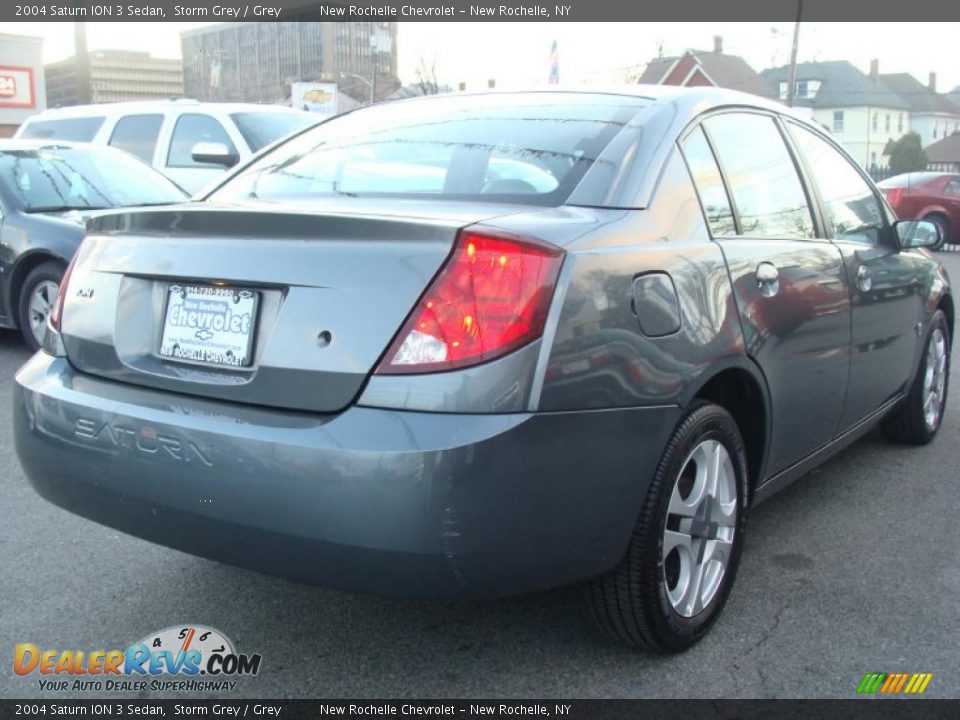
<point>399,503</point>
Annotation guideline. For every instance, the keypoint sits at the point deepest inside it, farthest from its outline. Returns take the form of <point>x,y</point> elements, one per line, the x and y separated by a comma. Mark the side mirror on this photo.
<point>213,152</point>
<point>917,234</point>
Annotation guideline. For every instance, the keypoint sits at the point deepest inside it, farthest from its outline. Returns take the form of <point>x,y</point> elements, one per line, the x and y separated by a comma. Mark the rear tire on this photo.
<point>916,420</point>
<point>944,226</point>
<point>37,296</point>
<point>667,601</point>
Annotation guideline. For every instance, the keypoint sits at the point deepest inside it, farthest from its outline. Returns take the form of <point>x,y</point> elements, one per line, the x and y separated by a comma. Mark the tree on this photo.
<point>906,154</point>
<point>427,77</point>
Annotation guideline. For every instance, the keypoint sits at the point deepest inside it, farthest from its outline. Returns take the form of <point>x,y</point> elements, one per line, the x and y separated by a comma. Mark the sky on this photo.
<point>517,54</point>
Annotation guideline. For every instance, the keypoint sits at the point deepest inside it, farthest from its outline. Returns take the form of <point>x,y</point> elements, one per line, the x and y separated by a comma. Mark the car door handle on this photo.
<point>768,279</point>
<point>864,281</point>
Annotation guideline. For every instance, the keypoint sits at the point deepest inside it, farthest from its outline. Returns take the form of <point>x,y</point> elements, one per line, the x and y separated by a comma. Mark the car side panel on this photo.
<point>26,236</point>
<point>599,356</point>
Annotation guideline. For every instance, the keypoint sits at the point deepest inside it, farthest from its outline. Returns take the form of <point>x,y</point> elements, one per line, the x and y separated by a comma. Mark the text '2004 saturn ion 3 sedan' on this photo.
<point>488,344</point>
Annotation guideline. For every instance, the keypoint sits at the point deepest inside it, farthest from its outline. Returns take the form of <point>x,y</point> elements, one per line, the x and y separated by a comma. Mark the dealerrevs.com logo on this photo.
<point>186,658</point>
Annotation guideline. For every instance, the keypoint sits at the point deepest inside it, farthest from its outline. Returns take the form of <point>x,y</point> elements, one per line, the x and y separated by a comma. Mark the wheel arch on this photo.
<point>18,275</point>
<point>741,389</point>
<point>946,305</point>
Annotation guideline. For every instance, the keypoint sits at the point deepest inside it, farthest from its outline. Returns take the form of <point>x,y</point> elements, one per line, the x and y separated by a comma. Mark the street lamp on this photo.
<point>371,85</point>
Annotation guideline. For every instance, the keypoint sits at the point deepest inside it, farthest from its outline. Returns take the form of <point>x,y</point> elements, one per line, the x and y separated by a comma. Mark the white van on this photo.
<point>190,142</point>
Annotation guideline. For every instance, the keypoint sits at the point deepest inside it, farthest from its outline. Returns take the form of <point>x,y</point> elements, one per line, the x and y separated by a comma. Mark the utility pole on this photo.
<point>792,75</point>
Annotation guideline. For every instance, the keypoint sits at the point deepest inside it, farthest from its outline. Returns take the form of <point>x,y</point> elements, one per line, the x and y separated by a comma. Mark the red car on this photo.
<point>933,196</point>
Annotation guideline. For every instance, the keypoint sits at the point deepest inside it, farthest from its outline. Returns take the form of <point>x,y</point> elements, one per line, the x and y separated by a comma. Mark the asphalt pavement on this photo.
<point>853,569</point>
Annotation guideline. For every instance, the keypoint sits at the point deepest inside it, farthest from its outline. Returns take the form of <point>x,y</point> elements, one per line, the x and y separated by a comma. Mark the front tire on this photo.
<point>682,559</point>
<point>37,297</point>
<point>916,420</point>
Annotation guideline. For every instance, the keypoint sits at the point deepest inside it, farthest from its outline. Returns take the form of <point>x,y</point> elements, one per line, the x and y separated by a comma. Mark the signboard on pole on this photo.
<point>16,87</point>
<point>320,98</point>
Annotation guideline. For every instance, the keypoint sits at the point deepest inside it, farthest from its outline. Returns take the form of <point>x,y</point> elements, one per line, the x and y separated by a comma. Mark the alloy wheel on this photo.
<point>41,304</point>
<point>700,526</point>
<point>935,378</point>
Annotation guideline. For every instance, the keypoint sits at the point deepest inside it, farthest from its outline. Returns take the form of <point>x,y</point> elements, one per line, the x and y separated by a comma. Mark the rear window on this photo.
<point>524,148</point>
<point>58,178</point>
<point>79,129</point>
<point>259,129</point>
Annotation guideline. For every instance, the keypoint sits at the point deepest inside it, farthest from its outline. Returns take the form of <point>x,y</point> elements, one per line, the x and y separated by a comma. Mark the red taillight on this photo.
<point>491,297</point>
<point>893,196</point>
<point>56,315</point>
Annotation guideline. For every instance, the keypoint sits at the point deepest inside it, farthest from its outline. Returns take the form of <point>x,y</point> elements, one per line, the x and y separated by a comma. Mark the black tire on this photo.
<point>631,603</point>
<point>944,226</point>
<point>50,271</point>
<point>907,423</point>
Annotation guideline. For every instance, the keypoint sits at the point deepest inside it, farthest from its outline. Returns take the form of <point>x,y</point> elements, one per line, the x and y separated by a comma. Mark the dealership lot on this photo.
<point>854,569</point>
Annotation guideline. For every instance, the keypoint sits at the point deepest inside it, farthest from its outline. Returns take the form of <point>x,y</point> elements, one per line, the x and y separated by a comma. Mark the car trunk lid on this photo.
<point>323,293</point>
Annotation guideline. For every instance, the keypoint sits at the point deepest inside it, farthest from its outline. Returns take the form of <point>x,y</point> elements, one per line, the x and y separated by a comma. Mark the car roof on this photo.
<point>41,144</point>
<point>696,99</point>
<point>141,106</point>
<point>917,176</point>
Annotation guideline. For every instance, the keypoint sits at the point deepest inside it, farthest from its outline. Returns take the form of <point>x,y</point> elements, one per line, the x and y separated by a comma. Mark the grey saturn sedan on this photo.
<point>474,345</point>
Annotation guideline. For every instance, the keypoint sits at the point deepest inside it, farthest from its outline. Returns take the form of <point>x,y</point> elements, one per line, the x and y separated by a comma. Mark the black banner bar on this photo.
<point>855,11</point>
<point>854,709</point>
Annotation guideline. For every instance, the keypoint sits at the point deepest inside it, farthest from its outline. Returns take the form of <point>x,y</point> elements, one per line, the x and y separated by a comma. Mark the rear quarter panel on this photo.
<point>599,357</point>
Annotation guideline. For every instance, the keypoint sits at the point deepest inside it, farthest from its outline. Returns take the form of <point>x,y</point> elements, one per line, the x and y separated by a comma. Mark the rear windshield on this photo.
<point>56,178</point>
<point>526,148</point>
<point>259,129</point>
<point>80,129</point>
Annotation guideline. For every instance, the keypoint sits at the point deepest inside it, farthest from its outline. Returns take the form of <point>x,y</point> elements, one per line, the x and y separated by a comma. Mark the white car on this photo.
<point>190,142</point>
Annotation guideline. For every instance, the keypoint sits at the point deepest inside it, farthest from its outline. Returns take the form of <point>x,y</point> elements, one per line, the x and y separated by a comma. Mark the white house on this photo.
<point>932,116</point>
<point>862,114</point>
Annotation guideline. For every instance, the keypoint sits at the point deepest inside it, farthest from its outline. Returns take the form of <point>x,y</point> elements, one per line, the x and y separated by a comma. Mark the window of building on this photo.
<point>763,179</point>
<point>853,211</point>
<point>900,123</point>
<point>874,120</point>
<point>838,121</point>
<point>137,134</point>
<point>886,126</point>
<point>709,184</point>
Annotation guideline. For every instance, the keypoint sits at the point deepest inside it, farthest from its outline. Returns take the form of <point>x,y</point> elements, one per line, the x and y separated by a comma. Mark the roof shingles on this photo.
<point>726,71</point>
<point>918,97</point>
<point>842,85</point>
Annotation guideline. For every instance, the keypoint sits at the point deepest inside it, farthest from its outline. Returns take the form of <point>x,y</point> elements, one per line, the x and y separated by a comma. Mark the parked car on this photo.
<point>47,191</point>
<point>933,196</point>
<point>493,385</point>
<point>190,142</point>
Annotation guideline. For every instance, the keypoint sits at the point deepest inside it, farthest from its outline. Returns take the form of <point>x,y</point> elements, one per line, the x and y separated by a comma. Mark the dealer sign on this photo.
<point>16,87</point>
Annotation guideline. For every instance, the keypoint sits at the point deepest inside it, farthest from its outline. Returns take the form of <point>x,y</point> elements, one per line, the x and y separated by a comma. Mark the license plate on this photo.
<point>209,324</point>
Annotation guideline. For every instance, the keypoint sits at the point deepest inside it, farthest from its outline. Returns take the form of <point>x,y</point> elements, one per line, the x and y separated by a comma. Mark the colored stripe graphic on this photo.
<point>871,682</point>
<point>918,683</point>
<point>895,683</point>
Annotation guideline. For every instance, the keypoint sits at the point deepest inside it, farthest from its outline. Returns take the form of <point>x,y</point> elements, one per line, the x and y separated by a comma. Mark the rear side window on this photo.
<point>763,179</point>
<point>853,211</point>
<point>524,148</point>
<point>137,134</point>
<point>709,184</point>
<point>193,128</point>
<point>79,129</point>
